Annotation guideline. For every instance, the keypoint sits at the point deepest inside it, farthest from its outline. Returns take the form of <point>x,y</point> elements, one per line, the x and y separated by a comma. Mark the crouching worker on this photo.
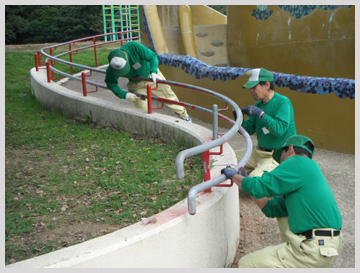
<point>136,60</point>
<point>299,191</point>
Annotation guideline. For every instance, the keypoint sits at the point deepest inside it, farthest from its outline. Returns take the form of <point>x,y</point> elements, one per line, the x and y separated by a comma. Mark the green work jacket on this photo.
<point>300,191</point>
<point>276,126</point>
<point>142,61</point>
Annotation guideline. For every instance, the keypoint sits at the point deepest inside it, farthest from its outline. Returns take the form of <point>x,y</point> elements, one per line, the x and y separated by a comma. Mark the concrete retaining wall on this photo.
<point>177,240</point>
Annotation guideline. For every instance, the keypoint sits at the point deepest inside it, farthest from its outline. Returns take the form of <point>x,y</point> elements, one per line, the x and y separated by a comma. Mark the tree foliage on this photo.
<point>51,23</point>
<point>220,8</point>
<point>56,23</point>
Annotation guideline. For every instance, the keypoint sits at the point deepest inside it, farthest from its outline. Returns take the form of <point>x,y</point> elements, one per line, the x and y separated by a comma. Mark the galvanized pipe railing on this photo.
<point>215,121</point>
<point>204,148</point>
<point>219,179</point>
<point>71,64</point>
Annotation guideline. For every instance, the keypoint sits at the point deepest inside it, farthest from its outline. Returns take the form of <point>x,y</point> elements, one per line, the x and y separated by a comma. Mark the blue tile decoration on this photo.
<point>147,31</point>
<point>343,88</point>
<point>262,12</point>
<point>297,11</point>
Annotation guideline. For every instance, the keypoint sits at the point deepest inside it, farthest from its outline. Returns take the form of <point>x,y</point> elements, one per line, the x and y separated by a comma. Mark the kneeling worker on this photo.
<point>136,60</point>
<point>299,191</point>
<point>271,118</point>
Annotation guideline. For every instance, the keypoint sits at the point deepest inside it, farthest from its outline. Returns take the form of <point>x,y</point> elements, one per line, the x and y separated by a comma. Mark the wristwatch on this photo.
<point>262,114</point>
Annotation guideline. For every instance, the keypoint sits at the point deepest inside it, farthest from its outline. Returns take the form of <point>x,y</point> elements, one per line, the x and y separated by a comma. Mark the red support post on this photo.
<point>94,40</point>
<point>48,71</point>
<point>52,64</point>
<point>149,99</point>
<point>70,57</point>
<point>206,167</point>
<point>36,63</point>
<point>83,78</point>
<point>39,58</point>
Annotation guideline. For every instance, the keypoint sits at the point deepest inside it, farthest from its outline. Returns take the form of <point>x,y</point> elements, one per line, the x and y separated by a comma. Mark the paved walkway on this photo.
<point>338,168</point>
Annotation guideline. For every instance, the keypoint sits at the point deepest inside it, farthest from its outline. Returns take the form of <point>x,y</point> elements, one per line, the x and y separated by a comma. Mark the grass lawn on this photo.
<point>68,180</point>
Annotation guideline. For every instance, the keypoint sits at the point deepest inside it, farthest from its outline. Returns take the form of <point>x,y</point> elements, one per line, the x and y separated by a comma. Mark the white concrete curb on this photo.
<point>177,240</point>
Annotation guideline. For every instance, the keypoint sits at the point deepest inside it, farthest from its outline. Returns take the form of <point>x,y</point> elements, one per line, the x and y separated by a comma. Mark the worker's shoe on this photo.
<point>187,118</point>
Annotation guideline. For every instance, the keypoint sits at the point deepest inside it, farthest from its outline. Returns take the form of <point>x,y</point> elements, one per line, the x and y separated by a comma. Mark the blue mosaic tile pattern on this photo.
<point>343,88</point>
<point>261,14</point>
<point>299,11</point>
<point>147,31</point>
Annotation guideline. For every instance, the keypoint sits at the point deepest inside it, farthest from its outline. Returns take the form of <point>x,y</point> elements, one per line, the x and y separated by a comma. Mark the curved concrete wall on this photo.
<point>177,240</point>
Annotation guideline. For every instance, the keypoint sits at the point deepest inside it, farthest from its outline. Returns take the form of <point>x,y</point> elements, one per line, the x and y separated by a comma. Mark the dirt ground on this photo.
<point>258,231</point>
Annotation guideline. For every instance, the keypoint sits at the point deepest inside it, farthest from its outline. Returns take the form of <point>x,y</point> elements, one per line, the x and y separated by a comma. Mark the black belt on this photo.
<point>265,150</point>
<point>309,233</point>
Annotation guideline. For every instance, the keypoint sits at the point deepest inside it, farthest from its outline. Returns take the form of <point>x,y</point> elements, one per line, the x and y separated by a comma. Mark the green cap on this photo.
<point>258,75</point>
<point>118,62</point>
<point>296,141</point>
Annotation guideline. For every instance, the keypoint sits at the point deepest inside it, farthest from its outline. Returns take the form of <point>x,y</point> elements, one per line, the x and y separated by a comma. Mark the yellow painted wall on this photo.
<point>321,44</point>
<point>204,15</point>
<point>201,15</point>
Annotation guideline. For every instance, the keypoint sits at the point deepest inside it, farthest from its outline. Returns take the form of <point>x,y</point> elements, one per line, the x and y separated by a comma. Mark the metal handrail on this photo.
<point>179,162</point>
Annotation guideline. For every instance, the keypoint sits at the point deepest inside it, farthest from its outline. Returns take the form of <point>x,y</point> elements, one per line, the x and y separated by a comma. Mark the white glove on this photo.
<point>155,77</point>
<point>131,97</point>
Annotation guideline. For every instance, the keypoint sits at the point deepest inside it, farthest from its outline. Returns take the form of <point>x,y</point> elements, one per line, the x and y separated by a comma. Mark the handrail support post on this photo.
<point>215,121</point>
<point>48,71</point>
<point>83,80</point>
<point>206,167</point>
<point>149,99</point>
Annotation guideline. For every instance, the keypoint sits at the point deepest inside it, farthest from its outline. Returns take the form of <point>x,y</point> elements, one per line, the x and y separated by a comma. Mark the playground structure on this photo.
<point>121,18</point>
<point>309,49</point>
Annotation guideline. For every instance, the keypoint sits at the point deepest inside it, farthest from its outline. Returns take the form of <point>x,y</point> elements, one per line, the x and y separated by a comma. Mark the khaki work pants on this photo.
<point>295,251</point>
<point>163,91</point>
<point>259,161</point>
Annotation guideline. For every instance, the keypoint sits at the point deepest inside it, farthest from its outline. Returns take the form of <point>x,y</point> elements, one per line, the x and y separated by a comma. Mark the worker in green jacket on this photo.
<point>136,60</point>
<point>301,193</point>
<point>271,118</point>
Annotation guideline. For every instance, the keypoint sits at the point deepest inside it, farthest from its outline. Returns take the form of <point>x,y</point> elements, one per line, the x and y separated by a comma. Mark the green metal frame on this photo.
<point>128,18</point>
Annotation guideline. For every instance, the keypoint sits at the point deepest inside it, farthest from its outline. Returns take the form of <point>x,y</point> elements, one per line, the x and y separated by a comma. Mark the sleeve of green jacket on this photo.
<point>282,180</point>
<point>249,125</point>
<point>278,123</point>
<point>275,207</point>
<point>112,83</point>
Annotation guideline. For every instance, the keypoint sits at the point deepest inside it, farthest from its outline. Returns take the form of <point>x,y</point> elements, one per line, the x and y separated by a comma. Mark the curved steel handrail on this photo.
<point>179,162</point>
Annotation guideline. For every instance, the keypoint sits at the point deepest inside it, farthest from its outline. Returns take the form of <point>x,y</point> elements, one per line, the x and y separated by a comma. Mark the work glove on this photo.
<point>155,77</point>
<point>234,114</point>
<point>131,97</point>
<point>252,110</point>
<point>229,172</point>
<point>243,172</point>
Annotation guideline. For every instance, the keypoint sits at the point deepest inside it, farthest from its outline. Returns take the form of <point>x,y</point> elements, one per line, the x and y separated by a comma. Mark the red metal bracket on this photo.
<point>149,99</point>
<point>227,107</point>
<point>83,80</point>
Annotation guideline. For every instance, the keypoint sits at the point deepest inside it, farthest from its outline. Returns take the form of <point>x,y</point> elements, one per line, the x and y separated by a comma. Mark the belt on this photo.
<point>265,150</point>
<point>309,233</point>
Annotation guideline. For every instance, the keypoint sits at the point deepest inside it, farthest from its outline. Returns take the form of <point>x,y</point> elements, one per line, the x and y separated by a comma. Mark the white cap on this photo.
<point>118,63</point>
